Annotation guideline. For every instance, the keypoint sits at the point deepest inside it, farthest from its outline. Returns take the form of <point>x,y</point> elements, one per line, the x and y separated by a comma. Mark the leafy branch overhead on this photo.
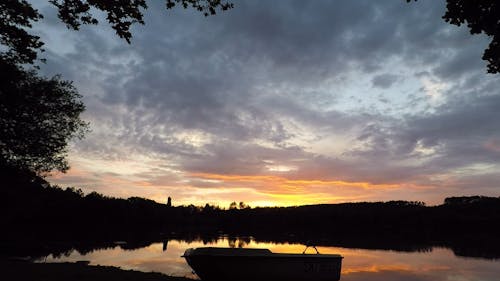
<point>481,16</point>
<point>38,116</point>
<point>17,15</point>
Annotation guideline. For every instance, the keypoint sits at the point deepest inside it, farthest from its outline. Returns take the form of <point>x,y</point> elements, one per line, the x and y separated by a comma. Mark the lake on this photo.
<point>358,264</point>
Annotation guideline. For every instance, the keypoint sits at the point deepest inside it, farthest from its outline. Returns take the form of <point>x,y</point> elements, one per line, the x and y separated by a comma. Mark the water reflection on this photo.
<point>358,264</point>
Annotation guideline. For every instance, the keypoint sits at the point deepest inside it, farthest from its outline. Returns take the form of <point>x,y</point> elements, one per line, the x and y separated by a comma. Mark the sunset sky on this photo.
<point>282,103</point>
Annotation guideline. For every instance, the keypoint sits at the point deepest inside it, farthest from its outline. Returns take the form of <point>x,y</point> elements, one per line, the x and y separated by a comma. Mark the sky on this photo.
<point>279,103</point>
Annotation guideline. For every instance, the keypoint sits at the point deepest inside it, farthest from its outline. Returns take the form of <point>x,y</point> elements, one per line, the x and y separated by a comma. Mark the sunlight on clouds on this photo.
<point>492,145</point>
<point>272,167</point>
<point>421,154</point>
<point>303,199</point>
<point>332,144</point>
<point>423,150</point>
<point>284,182</point>
<point>280,168</point>
<point>195,138</point>
<point>270,190</point>
<point>434,90</point>
<point>146,177</point>
<point>131,166</point>
<point>319,121</point>
<point>476,169</point>
<point>73,172</point>
<point>221,190</point>
<point>221,197</point>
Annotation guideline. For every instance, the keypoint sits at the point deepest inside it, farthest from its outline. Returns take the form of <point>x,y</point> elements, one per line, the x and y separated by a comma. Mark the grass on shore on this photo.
<point>28,271</point>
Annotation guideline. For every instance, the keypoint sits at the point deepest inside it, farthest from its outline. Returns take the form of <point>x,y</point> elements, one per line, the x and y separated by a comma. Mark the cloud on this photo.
<point>260,86</point>
<point>384,81</point>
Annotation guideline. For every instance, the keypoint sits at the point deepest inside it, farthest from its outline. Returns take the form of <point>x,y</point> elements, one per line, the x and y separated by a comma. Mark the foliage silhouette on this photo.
<point>37,213</point>
<point>481,17</point>
<point>38,116</point>
<point>17,16</point>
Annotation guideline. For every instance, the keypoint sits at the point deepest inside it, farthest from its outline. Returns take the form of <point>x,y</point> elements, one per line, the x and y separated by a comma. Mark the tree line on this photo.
<point>34,203</point>
<point>38,211</point>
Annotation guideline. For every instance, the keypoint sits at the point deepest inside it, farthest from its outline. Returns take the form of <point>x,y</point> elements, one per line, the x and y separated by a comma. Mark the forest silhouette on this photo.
<point>43,219</point>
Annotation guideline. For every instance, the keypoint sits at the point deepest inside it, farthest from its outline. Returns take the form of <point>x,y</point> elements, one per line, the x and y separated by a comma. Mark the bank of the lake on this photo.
<point>28,271</point>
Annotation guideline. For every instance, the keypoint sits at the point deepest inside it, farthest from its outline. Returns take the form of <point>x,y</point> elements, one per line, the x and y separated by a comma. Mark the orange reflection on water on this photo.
<point>358,264</point>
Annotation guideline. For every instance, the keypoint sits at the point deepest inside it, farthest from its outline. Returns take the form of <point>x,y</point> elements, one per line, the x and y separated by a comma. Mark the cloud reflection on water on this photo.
<point>358,264</point>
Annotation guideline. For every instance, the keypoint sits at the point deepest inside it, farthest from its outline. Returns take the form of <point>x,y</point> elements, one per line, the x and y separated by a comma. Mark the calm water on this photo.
<point>358,264</point>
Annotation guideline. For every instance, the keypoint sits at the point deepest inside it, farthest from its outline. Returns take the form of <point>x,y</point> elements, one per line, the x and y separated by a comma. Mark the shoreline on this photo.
<point>80,271</point>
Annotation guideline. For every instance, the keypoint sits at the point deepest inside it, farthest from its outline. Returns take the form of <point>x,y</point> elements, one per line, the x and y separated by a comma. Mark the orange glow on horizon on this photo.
<point>288,184</point>
<point>282,191</point>
<point>258,190</point>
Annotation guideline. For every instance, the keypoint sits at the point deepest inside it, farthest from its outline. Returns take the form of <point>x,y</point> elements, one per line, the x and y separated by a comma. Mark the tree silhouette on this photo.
<point>233,206</point>
<point>481,17</point>
<point>38,116</point>
<point>16,16</point>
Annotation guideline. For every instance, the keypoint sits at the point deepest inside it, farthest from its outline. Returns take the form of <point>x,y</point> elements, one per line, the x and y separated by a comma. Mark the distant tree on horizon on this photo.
<point>242,206</point>
<point>233,206</point>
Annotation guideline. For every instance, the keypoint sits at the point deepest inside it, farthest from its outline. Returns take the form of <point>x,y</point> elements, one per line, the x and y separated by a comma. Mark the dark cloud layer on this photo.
<point>267,82</point>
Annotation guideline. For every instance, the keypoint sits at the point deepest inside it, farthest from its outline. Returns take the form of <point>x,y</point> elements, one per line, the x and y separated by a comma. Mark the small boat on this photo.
<point>242,264</point>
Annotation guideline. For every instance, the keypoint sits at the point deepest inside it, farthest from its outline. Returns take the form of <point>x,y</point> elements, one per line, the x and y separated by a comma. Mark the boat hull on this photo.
<point>272,267</point>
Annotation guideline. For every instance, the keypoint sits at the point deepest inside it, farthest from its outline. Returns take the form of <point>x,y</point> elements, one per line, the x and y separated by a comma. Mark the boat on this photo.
<point>242,264</point>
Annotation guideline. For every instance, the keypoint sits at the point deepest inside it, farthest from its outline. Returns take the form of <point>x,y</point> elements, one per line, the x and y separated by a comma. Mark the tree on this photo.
<point>16,16</point>
<point>242,206</point>
<point>481,17</point>
<point>233,206</point>
<point>38,116</point>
